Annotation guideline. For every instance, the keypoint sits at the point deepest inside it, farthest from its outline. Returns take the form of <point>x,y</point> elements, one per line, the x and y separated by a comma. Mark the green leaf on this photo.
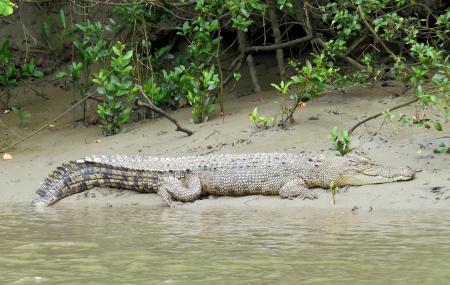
<point>333,135</point>
<point>101,90</point>
<point>96,81</point>
<point>81,27</point>
<point>6,7</point>
<point>114,80</point>
<point>276,86</point>
<point>438,126</point>
<point>62,18</point>
<point>128,55</point>
<point>38,73</point>
<point>254,113</point>
<point>116,50</point>
<point>61,74</point>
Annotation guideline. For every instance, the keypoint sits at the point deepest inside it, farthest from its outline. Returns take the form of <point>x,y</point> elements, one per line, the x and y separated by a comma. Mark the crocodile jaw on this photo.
<point>381,175</point>
<point>354,169</point>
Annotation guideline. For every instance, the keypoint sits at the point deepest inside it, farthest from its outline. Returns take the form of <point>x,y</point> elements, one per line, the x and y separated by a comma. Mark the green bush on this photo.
<point>116,86</point>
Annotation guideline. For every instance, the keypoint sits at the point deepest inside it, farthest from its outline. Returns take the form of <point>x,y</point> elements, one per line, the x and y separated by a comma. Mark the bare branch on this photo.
<point>158,110</point>
<point>279,46</point>
<point>352,129</point>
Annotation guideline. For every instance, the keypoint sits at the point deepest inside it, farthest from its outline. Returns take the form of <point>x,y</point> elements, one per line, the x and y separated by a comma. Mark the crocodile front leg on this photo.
<point>171,190</point>
<point>296,188</point>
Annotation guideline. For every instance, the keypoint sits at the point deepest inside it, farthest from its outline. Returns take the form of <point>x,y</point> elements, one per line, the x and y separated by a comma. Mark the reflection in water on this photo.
<point>224,246</point>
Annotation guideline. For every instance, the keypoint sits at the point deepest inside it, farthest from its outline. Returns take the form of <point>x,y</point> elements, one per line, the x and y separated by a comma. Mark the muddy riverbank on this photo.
<point>234,133</point>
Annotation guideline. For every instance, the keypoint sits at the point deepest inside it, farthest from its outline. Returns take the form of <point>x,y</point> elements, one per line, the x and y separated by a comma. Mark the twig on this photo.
<point>179,5</point>
<point>158,110</point>
<point>375,35</point>
<point>439,138</point>
<point>48,123</point>
<point>208,136</point>
<point>279,46</point>
<point>239,62</point>
<point>292,110</point>
<point>233,63</point>
<point>356,43</point>
<point>220,92</point>
<point>36,92</point>
<point>352,129</point>
<point>10,130</point>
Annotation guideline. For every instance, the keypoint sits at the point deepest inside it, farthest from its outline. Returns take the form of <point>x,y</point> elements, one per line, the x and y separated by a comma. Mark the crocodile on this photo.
<point>186,179</point>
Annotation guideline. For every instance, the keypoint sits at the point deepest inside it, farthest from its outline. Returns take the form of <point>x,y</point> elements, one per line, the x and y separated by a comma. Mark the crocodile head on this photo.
<point>358,170</point>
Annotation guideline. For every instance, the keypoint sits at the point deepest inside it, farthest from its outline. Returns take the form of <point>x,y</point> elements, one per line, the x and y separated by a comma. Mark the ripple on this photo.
<point>223,246</point>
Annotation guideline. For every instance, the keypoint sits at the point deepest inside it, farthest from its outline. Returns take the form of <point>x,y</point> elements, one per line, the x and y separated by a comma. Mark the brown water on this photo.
<point>225,246</point>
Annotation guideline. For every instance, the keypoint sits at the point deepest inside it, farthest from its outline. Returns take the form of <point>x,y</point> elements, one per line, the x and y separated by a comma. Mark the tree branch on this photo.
<point>276,36</point>
<point>179,4</point>
<point>372,31</point>
<point>279,46</point>
<point>347,58</point>
<point>243,43</point>
<point>158,110</point>
<point>352,129</point>
<point>236,66</point>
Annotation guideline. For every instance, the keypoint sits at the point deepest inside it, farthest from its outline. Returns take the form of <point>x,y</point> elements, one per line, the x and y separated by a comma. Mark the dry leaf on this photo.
<point>98,141</point>
<point>7,156</point>
<point>51,125</point>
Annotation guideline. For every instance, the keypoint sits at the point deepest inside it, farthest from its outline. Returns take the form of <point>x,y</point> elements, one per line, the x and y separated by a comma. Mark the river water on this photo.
<point>223,246</point>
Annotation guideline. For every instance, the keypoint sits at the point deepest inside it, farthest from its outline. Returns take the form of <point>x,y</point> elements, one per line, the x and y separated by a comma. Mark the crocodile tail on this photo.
<point>81,175</point>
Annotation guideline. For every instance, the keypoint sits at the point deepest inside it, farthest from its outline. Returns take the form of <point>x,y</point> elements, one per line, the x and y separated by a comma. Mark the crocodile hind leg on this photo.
<point>167,198</point>
<point>296,188</point>
<point>171,190</point>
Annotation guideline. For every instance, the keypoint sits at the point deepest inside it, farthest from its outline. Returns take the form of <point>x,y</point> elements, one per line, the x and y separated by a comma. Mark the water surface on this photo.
<point>223,246</point>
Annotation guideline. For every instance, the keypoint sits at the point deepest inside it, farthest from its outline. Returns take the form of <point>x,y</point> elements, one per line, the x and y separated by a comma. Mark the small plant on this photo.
<point>156,93</point>
<point>283,89</point>
<point>310,80</point>
<point>10,74</point>
<point>21,114</point>
<point>334,189</point>
<point>29,69</point>
<point>91,44</point>
<point>172,85</point>
<point>54,31</point>
<point>200,79</point>
<point>116,85</point>
<point>260,121</point>
<point>341,141</point>
<point>442,148</point>
<point>198,94</point>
